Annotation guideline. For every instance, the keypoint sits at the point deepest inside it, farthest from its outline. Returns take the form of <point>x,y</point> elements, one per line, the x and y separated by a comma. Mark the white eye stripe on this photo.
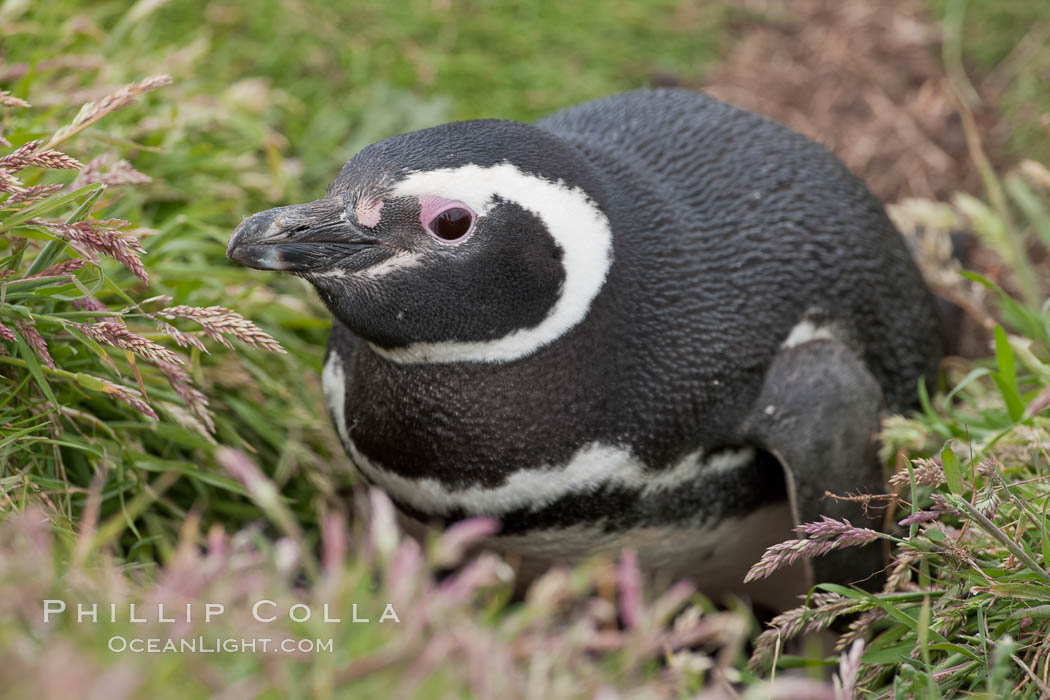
<point>396,262</point>
<point>575,222</point>
<point>473,185</point>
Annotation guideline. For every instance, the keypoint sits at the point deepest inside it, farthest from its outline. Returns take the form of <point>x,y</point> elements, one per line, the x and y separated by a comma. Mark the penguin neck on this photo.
<point>456,423</point>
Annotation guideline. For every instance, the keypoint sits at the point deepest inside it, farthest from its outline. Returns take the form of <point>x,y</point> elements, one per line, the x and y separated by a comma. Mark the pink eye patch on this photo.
<point>368,212</point>
<point>447,220</point>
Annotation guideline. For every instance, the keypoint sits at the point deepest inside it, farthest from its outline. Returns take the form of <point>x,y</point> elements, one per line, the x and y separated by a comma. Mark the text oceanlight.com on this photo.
<point>214,645</point>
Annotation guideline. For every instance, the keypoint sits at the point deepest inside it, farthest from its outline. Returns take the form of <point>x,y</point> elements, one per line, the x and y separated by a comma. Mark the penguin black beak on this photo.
<point>298,238</point>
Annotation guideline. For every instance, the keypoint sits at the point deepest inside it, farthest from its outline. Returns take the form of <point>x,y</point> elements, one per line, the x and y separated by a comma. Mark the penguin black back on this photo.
<point>776,228</point>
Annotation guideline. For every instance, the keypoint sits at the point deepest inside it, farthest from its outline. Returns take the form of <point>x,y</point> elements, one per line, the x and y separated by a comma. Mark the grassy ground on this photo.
<point>267,101</point>
<point>1005,46</point>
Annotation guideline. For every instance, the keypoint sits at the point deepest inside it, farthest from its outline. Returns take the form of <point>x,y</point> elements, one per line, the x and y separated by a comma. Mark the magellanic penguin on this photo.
<point>652,320</point>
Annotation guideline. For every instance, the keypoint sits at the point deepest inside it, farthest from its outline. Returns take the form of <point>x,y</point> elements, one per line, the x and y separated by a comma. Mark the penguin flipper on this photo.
<point>818,413</point>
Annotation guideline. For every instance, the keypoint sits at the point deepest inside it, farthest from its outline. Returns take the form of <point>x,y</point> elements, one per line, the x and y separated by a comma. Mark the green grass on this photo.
<point>336,76</point>
<point>268,100</point>
<point>1010,41</point>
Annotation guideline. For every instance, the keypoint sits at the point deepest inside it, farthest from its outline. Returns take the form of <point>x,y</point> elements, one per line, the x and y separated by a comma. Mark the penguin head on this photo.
<point>473,241</point>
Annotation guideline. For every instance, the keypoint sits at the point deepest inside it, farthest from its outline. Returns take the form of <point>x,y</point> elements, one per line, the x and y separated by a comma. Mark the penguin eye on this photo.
<point>451,224</point>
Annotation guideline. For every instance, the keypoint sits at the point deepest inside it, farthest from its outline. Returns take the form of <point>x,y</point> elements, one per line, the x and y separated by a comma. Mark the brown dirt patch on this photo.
<point>862,77</point>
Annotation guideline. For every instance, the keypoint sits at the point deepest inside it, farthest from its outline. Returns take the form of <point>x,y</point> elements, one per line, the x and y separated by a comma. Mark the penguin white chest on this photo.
<point>716,558</point>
